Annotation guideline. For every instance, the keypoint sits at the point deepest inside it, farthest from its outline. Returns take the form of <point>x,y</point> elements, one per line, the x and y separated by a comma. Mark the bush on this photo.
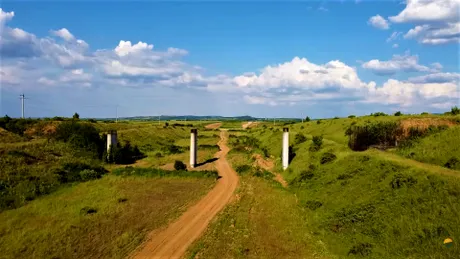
<point>88,174</point>
<point>299,138</point>
<point>318,122</point>
<point>17,126</point>
<point>124,155</point>
<point>336,118</point>
<point>80,135</point>
<point>377,114</point>
<point>424,113</point>
<point>76,116</point>
<point>381,133</point>
<point>179,165</point>
<point>307,119</point>
<point>351,116</point>
<point>452,163</point>
<point>455,110</point>
<point>327,158</point>
<point>313,205</point>
<point>317,143</point>
<point>241,169</point>
<point>398,113</point>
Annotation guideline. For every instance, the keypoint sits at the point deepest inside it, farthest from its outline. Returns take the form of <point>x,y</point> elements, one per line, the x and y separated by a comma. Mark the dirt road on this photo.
<point>213,125</point>
<point>173,241</point>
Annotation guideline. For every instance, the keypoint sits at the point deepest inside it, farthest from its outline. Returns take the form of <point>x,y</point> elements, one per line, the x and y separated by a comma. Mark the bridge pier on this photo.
<point>285,148</point>
<point>193,147</point>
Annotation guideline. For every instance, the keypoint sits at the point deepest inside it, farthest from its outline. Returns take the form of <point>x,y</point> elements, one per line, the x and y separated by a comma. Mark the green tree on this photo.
<point>398,113</point>
<point>76,116</point>
<point>455,110</point>
<point>307,119</point>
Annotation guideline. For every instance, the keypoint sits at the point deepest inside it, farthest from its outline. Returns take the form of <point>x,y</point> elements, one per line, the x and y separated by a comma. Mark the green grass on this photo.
<point>128,208</point>
<point>263,221</point>
<point>436,149</point>
<point>373,203</point>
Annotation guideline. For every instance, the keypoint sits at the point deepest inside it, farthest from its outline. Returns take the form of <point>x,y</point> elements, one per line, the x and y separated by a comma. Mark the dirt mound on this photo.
<point>250,124</point>
<point>213,125</point>
<point>424,123</point>
<point>42,129</point>
<point>263,163</point>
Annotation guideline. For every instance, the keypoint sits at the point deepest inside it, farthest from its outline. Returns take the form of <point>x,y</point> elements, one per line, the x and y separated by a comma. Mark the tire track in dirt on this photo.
<point>173,241</point>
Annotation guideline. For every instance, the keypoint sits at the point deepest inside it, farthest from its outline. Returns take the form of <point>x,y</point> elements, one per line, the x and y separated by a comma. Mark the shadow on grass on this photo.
<point>206,162</point>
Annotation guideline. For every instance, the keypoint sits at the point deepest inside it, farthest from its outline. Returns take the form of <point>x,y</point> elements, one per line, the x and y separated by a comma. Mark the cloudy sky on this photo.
<point>321,59</point>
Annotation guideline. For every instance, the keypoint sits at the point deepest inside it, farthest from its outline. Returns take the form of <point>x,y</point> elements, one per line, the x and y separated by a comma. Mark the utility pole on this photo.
<point>22,104</point>
<point>116,107</point>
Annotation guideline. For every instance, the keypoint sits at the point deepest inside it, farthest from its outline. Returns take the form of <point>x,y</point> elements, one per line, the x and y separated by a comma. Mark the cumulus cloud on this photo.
<point>395,46</point>
<point>437,21</point>
<point>428,11</point>
<point>28,60</point>
<point>398,63</point>
<point>435,34</point>
<point>379,22</point>
<point>436,78</point>
<point>5,17</point>
<point>64,34</point>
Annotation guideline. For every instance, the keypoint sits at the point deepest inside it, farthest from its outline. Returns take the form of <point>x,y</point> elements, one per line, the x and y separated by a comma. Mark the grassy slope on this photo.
<point>436,149</point>
<point>263,221</point>
<point>53,226</point>
<point>359,204</point>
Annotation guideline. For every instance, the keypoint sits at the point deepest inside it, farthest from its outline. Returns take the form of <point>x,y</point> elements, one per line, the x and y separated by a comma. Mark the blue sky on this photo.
<point>322,58</point>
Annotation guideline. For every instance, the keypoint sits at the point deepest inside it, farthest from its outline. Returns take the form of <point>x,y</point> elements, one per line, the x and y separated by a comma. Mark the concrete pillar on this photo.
<point>111,139</point>
<point>193,147</point>
<point>285,148</point>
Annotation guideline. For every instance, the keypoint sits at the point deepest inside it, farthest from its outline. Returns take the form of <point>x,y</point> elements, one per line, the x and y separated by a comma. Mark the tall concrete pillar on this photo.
<point>193,147</point>
<point>111,139</point>
<point>285,148</point>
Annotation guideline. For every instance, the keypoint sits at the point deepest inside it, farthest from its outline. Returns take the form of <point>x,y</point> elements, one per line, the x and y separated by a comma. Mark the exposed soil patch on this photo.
<point>250,124</point>
<point>214,125</point>
<point>268,165</point>
<point>173,241</point>
<point>424,123</point>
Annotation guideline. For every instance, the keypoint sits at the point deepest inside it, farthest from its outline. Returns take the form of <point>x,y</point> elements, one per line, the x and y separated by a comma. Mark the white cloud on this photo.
<point>395,46</point>
<point>394,36</point>
<point>436,78</point>
<point>379,22</point>
<point>5,17</point>
<point>64,34</point>
<point>408,93</point>
<point>398,63</point>
<point>323,9</point>
<point>428,11</point>
<point>125,47</point>
<point>435,34</point>
<point>437,21</point>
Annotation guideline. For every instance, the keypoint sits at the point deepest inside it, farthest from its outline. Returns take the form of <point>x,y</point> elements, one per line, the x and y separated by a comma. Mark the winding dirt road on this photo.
<point>178,236</point>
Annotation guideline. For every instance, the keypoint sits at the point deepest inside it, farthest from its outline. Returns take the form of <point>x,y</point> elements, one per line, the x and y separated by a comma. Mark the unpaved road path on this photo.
<point>173,241</point>
<point>213,125</point>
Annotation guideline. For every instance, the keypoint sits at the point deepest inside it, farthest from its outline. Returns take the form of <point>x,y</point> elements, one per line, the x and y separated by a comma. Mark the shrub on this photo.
<point>317,143</point>
<point>126,154</point>
<point>327,158</point>
<point>88,174</point>
<point>351,116</point>
<point>455,110</point>
<point>302,127</point>
<point>400,180</point>
<point>76,116</point>
<point>381,133</point>
<point>318,122</point>
<point>241,169</point>
<point>313,205</point>
<point>424,113</point>
<point>307,119</point>
<point>299,138</point>
<point>335,118</point>
<point>80,135</point>
<point>452,163</point>
<point>179,165</point>
<point>398,113</point>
